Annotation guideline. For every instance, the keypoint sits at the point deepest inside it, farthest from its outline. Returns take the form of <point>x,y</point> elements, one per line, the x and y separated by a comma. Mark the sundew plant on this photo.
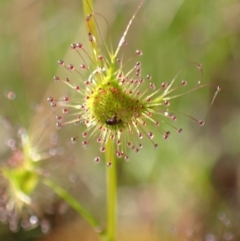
<point>116,105</point>
<point>107,101</point>
<point>26,201</point>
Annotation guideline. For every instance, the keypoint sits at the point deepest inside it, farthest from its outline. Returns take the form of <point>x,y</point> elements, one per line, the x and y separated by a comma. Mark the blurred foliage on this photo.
<point>188,189</point>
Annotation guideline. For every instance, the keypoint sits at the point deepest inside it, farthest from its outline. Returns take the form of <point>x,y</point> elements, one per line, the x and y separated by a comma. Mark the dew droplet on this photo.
<point>180,130</point>
<point>109,164</point>
<point>11,143</point>
<point>87,82</point>
<point>90,37</point>
<point>83,66</point>
<point>89,16</point>
<point>139,52</point>
<point>79,45</point>
<point>137,149</point>
<point>152,86</point>
<point>45,226</point>
<point>71,67</point>
<point>138,64</point>
<point>10,95</point>
<point>73,140</point>
<point>201,122</point>
<point>64,110</point>
<point>166,113</point>
<point>58,117</point>
<point>73,46</point>
<point>140,136</point>
<point>118,154</point>
<point>150,135</point>
<point>149,77</point>
<point>58,125</point>
<point>184,82</point>
<point>66,99</point>
<point>56,78</point>
<point>166,102</point>
<point>53,104</point>
<point>164,85</point>
<point>50,99</point>
<point>102,149</point>
<point>97,159</point>
<point>33,220</point>
<point>173,117</point>
<point>61,62</point>
<point>25,223</point>
<point>85,144</point>
<point>99,140</point>
<point>200,67</point>
<point>166,135</point>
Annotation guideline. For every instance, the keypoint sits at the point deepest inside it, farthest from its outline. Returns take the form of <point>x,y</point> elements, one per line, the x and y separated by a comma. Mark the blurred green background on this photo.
<point>187,189</point>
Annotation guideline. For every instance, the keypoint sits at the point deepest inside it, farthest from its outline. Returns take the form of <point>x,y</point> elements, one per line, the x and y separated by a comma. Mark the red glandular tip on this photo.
<point>79,45</point>
<point>201,122</point>
<point>71,67</point>
<point>73,46</point>
<point>73,140</point>
<point>97,159</point>
<point>50,99</point>
<point>61,62</point>
<point>56,78</point>
<point>139,52</point>
<point>66,99</point>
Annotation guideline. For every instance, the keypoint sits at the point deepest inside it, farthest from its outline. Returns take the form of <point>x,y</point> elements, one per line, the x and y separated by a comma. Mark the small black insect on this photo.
<point>113,120</point>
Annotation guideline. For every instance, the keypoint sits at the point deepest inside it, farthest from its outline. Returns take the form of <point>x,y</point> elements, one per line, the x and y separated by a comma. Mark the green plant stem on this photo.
<point>111,179</point>
<point>90,25</point>
<point>111,172</point>
<point>75,204</point>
